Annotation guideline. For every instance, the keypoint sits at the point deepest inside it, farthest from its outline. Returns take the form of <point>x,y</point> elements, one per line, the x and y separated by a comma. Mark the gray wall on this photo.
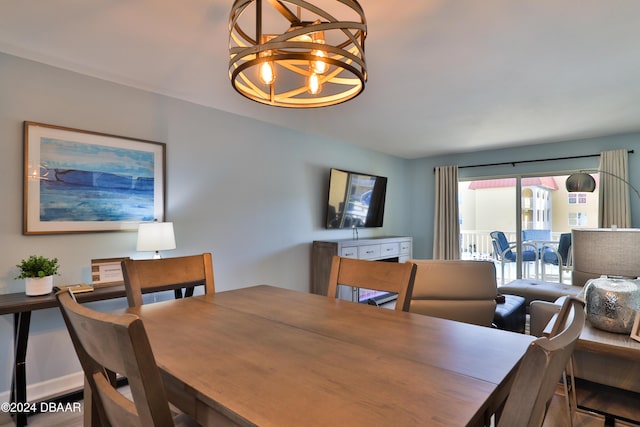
<point>251,193</point>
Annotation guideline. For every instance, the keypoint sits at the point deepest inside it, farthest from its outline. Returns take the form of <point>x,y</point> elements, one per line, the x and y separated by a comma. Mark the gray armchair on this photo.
<point>454,289</point>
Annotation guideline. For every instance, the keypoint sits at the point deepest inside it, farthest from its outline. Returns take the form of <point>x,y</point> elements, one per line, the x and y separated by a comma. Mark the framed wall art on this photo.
<point>79,181</point>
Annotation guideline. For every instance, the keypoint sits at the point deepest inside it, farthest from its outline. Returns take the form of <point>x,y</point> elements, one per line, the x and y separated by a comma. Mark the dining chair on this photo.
<point>506,252</point>
<point>107,343</point>
<point>155,275</point>
<point>541,368</point>
<point>385,276</point>
<point>459,290</point>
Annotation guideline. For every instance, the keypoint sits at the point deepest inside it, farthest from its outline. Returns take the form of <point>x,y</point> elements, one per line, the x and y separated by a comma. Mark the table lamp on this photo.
<point>156,236</point>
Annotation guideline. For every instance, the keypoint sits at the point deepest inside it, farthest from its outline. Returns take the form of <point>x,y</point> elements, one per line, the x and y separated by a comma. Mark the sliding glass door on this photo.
<point>501,215</point>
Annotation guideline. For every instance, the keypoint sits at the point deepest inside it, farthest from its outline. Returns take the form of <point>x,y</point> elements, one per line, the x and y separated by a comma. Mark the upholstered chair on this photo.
<point>455,289</point>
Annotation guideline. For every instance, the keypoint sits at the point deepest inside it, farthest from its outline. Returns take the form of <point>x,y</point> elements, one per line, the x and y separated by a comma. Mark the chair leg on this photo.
<point>559,273</point>
<point>570,391</point>
<point>567,399</point>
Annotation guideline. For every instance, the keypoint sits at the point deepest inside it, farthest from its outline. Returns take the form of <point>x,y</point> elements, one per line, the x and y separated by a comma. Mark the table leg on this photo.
<point>21,322</point>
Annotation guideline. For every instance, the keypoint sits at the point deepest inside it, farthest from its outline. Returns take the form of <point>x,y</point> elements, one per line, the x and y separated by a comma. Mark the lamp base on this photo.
<point>612,303</point>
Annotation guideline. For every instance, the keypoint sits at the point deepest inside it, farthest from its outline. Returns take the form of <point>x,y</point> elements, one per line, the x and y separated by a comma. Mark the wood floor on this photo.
<point>556,417</point>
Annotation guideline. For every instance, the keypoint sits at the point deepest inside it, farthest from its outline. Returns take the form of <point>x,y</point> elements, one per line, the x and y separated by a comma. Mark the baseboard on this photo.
<point>49,389</point>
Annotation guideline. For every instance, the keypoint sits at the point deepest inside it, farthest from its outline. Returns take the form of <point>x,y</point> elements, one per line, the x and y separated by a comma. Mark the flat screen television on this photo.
<point>356,200</point>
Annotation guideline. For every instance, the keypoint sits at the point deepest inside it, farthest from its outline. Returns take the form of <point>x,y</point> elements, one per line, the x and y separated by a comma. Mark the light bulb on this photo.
<point>318,65</point>
<point>267,75</point>
<point>314,84</point>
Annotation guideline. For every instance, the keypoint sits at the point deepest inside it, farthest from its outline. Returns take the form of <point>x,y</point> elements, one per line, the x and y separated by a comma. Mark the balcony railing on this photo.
<point>476,244</point>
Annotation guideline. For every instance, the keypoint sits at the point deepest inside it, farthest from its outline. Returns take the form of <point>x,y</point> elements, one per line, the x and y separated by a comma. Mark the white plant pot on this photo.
<point>35,286</point>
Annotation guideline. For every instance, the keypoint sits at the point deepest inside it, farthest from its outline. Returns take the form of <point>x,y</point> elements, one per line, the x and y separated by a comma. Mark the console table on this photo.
<point>398,249</point>
<point>21,306</point>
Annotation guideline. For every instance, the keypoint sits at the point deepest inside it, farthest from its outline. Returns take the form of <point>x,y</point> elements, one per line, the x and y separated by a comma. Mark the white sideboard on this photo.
<point>397,249</point>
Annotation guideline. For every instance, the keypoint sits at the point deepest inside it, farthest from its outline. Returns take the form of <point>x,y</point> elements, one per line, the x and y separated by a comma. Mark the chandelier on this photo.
<point>291,53</point>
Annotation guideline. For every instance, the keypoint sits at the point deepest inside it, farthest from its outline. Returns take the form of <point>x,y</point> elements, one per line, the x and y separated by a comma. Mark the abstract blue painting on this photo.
<point>91,182</point>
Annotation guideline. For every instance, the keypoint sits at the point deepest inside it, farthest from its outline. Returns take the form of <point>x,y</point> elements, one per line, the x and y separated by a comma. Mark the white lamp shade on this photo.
<point>156,236</point>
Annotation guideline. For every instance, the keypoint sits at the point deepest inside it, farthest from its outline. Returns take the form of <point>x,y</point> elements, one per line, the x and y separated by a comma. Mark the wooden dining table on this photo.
<point>268,356</point>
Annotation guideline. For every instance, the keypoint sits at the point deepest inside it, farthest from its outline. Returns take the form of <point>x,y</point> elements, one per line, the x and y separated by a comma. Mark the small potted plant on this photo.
<point>38,272</point>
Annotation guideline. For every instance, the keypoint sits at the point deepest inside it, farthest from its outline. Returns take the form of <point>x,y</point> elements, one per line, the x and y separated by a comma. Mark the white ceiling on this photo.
<point>445,76</point>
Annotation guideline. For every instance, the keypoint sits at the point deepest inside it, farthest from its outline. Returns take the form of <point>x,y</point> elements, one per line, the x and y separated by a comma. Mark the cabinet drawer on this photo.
<point>405,248</point>
<point>369,252</point>
<point>389,250</point>
<point>351,252</point>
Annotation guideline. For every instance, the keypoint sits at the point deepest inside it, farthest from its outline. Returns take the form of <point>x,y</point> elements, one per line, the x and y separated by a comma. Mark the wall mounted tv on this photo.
<point>356,200</point>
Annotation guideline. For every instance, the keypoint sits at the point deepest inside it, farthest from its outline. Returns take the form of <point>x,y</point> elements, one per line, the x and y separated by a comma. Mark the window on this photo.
<point>577,219</point>
<point>489,204</point>
<point>577,198</point>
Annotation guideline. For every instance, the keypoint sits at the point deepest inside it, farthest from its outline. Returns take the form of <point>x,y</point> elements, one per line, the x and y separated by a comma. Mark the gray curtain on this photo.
<point>446,226</point>
<point>614,205</point>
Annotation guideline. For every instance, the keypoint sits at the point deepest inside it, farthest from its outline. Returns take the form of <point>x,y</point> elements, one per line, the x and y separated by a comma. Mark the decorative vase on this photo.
<point>612,303</point>
<point>35,286</point>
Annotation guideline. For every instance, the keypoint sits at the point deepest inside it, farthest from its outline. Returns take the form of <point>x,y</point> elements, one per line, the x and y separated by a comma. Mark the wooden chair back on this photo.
<point>107,343</point>
<point>155,275</point>
<point>377,275</point>
<point>541,368</point>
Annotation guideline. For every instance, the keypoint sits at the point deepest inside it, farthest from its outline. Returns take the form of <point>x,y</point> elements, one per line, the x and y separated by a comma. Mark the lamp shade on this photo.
<point>580,183</point>
<point>156,236</point>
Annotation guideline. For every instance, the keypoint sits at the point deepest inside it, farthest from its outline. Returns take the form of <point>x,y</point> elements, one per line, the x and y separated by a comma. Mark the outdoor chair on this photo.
<point>559,255</point>
<point>506,252</point>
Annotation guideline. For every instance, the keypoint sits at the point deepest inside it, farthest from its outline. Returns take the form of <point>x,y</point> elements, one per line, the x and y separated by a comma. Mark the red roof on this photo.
<point>547,182</point>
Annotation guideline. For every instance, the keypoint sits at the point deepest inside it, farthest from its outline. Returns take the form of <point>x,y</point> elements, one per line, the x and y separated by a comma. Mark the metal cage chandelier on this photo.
<point>299,56</point>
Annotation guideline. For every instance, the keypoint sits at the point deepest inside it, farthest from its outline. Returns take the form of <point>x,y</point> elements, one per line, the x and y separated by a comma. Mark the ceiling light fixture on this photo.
<point>300,59</point>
